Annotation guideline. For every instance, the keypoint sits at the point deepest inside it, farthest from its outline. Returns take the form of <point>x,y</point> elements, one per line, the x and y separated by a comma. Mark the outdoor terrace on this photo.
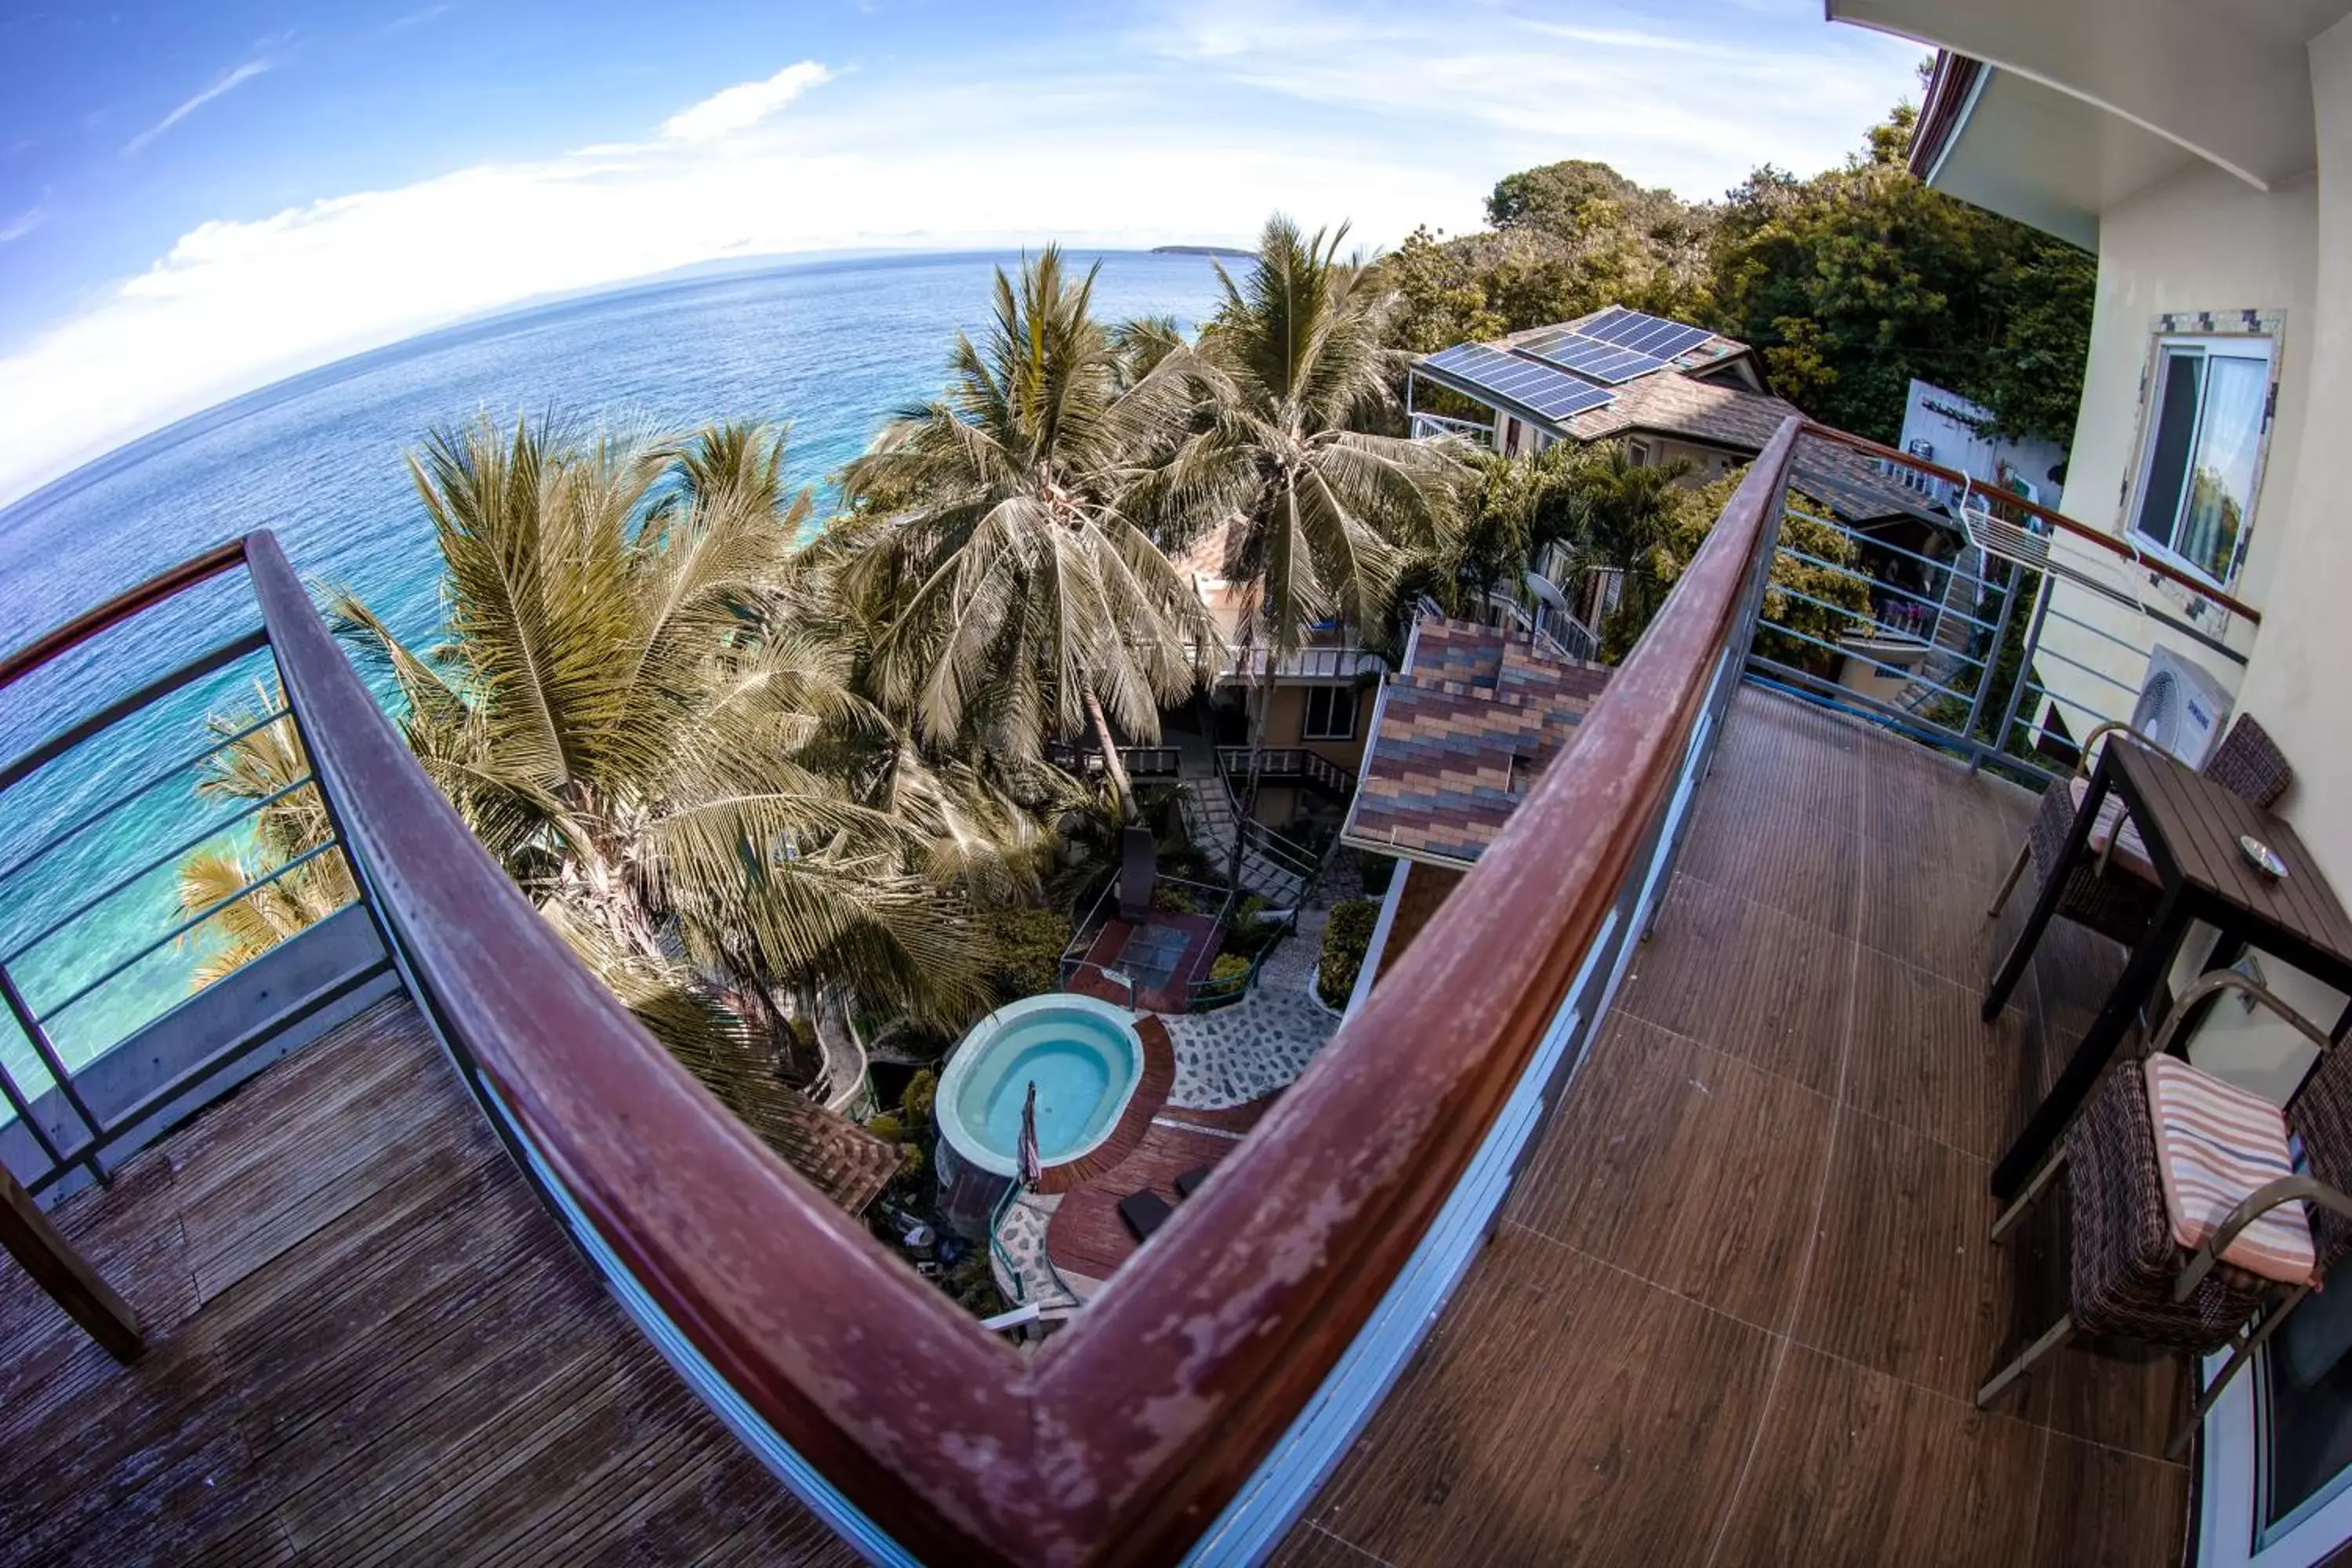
<point>1735,1309</point>
<point>368,1342</point>
<point>1696,1225</point>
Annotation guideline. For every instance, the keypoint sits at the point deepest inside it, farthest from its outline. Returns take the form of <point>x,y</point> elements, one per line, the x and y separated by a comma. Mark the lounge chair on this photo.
<point>2114,890</point>
<point>1190,1182</point>
<point>1144,1213</point>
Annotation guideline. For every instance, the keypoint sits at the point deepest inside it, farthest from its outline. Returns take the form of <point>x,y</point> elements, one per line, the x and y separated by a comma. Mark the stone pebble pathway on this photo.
<point>1021,1235</point>
<point>1261,1043</point>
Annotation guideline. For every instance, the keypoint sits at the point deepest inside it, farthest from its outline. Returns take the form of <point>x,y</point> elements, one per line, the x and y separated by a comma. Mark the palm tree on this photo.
<point>665,770</point>
<point>1625,513</point>
<point>1269,410</point>
<point>1020,602</point>
<point>299,887</point>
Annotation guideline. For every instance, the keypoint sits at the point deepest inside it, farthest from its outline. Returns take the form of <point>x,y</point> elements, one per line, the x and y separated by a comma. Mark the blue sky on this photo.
<point>198,199</point>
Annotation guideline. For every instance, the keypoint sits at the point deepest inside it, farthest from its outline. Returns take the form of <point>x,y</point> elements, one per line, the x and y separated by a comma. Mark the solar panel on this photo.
<point>1540,390</point>
<point>1652,335</point>
<point>1589,357</point>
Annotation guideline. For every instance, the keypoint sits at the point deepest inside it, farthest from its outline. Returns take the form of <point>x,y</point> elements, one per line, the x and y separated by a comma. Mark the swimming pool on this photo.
<point>1085,1058</point>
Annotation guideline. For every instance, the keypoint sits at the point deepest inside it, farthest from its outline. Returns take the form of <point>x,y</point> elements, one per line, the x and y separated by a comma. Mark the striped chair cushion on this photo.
<point>2131,853</point>
<point>2217,1145</point>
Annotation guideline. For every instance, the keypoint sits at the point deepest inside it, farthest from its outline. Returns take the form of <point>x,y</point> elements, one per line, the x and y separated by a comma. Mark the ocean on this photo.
<point>831,348</point>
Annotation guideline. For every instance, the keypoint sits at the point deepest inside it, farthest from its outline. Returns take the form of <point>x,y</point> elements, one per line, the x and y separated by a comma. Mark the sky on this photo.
<point>196,200</point>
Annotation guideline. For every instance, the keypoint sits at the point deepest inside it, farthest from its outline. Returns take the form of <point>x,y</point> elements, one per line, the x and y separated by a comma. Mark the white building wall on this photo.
<point>2299,682</point>
<point>2201,241</point>
<point>1946,423</point>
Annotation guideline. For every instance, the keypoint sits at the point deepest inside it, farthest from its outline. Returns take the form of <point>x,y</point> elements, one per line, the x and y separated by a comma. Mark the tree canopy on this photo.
<point>1848,283</point>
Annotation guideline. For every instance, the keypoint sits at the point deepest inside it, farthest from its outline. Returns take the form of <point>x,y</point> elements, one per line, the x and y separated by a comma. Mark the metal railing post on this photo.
<point>23,1109</point>
<point>38,1038</point>
<point>2024,669</point>
<point>1992,656</point>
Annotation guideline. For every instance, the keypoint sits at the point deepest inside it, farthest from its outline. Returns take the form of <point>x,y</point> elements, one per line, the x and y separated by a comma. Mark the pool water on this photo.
<point>1073,1080</point>
<point>1083,1055</point>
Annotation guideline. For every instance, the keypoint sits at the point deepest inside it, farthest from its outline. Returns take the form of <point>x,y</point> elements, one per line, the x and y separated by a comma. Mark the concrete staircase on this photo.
<point>1948,665</point>
<point>1269,869</point>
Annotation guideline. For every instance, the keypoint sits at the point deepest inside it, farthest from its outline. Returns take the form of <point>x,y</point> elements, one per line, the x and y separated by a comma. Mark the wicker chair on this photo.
<point>2132,1275</point>
<point>2114,892</point>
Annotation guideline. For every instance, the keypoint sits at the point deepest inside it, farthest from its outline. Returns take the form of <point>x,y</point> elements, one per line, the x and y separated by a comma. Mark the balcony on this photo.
<point>1571,1244</point>
<point>366,1335</point>
<point>1736,1307</point>
<point>1315,662</point>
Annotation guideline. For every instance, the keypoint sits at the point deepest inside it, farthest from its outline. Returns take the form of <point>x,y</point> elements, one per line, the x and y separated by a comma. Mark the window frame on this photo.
<point>2240,334</point>
<point>1333,694</point>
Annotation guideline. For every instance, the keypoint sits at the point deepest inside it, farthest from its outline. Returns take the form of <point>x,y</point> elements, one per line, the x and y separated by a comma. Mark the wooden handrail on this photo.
<point>2057,519</point>
<point>220,558</point>
<point>1950,88</point>
<point>1121,1440</point>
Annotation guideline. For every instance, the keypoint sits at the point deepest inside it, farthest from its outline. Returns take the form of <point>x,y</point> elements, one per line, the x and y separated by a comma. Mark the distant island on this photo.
<point>1201,250</point>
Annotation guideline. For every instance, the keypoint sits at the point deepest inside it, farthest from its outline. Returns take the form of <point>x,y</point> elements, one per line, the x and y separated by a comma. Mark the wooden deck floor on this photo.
<point>1086,1238</point>
<point>368,1343</point>
<point>1738,1304</point>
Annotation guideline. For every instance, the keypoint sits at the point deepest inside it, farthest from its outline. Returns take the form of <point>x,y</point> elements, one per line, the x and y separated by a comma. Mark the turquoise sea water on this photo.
<point>831,347</point>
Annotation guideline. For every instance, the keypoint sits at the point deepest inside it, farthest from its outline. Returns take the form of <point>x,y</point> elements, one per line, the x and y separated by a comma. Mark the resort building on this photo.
<point>1318,704</point>
<point>1673,393</point>
<point>2208,341</point>
<point>1943,428</point>
<point>1669,391</point>
<point>1678,1186</point>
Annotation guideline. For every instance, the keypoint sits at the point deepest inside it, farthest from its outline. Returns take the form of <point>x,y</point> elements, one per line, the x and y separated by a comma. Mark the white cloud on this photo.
<point>745,105</point>
<point>1197,146</point>
<point>1669,96</point>
<point>16,228</point>
<point>227,83</point>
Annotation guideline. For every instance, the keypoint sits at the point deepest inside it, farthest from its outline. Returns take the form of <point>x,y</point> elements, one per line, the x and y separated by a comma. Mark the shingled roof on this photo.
<point>1462,733</point>
<point>1735,417</point>
<point>1699,396</point>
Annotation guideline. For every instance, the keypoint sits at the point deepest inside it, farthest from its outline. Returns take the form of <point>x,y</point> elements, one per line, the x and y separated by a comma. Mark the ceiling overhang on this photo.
<point>2015,147</point>
<point>2052,111</point>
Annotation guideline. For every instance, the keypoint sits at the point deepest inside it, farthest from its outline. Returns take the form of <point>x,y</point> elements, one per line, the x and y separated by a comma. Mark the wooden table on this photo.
<point>2190,826</point>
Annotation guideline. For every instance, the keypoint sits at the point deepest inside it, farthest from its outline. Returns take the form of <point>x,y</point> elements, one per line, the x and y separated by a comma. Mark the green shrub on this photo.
<point>1377,871</point>
<point>1229,966</point>
<point>915,1104</point>
<point>973,1284</point>
<point>1170,900</point>
<point>1347,934</point>
<point>1024,949</point>
<point>885,1126</point>
<point>1191,864</point>
<point>1247,931</point>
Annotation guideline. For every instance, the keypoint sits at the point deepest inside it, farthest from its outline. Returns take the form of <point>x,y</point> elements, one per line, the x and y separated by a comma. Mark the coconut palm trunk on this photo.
<point>1323,514</point>
<point>1121,790</point>
<point>1262,702</point>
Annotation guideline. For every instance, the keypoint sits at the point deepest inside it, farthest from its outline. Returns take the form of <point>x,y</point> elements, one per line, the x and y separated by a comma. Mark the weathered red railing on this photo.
<point>179,579</point>
<point>1949,88</point>
<point>1121,1438</point>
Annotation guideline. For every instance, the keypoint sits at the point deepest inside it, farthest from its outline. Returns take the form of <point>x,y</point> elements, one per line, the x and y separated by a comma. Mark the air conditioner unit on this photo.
<point>2181,707</point>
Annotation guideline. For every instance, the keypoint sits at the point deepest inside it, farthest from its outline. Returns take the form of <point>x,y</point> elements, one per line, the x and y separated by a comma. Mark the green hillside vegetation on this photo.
<point>1848,283</point>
